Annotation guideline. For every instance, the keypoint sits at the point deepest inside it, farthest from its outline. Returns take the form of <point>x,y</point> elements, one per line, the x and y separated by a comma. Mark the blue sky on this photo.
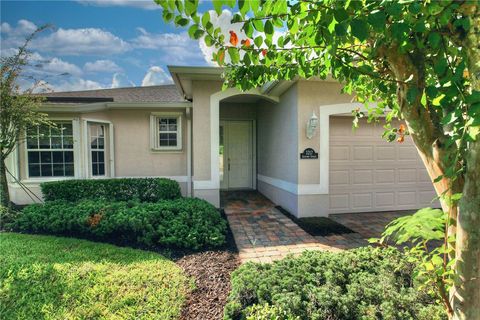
<point>100,43</point>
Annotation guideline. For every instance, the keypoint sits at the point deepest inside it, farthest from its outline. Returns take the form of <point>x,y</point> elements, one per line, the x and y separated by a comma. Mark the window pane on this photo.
<point>163,143</point>
<point>46,170</point>
<point>172,136</point>
<point>100,143</point>
<point>172,121</point>
<point>57,130</point>
<point>44,142</point>
<point>101,156</point>
<point>44,131</point>
<point>172,143</point>
<point>32,131</point>
<point>94,169</point>
<point>101,169</point>
<point>46,157</point>
<point>163,136</point>
<point>68,142</point>
<point>94,144</point>
<point>69,170</point>
<point>32,142</point>
<point>33,157</point>
<point>34,170</point>
<point>94,156</point>
<point>67,129</point>
<point>57,142</point>
<point>172,127</point>
<point>57,157</point>
<point>58,170</point>
<point>68,156</point>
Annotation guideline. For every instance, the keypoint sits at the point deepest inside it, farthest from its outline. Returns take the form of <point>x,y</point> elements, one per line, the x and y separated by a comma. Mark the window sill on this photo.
<point>40,180</point>
<point>166,150</point>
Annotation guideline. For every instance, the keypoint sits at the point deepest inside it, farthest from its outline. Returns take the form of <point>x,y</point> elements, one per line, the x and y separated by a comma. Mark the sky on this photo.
<point>101,43</point>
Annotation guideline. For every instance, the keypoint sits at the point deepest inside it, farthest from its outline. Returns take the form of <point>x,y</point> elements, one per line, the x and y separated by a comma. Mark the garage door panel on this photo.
<point>370,174</point>
<point>362,153</point>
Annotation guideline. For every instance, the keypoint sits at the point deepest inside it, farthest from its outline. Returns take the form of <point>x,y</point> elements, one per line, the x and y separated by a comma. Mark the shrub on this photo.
<point>364,283</point>
<point>142,189</point>
<point>181,223</point>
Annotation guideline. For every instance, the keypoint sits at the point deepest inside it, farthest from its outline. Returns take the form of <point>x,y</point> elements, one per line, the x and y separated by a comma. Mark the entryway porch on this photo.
<point>263,233</point>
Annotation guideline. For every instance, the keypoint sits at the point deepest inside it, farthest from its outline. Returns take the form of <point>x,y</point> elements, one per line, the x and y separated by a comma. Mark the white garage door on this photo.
<point>369,174</point>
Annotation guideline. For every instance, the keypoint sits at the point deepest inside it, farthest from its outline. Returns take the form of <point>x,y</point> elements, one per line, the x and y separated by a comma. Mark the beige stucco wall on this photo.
<point>202,90</point>
<point>238,111</point>
<point>277,137</point>
<point>133,156</point>
<point>311,96</point>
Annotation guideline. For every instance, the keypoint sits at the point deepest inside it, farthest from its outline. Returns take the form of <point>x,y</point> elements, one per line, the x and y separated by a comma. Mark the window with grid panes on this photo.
<point>50,150</point>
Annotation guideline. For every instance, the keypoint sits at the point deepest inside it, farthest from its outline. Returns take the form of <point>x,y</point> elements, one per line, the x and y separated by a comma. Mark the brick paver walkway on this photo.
<point>263,234</point>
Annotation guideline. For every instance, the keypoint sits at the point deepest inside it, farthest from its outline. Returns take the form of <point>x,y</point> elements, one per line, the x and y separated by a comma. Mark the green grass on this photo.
<point>43,277</point>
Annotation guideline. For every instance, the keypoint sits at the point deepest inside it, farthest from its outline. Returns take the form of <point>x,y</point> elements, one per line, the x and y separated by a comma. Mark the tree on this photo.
<point>17,109</point>
<point>418,59</point>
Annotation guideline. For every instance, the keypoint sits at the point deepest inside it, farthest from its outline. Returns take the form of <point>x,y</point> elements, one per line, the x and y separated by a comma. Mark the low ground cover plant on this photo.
<point>44,277</point>
<point>181,223</point>
<point>365,283</point>
<point>140,189</point>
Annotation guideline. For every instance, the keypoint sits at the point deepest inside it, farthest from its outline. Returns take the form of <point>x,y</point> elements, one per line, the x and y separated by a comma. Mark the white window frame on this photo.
<point>74,123</point>
<point>155,130</point>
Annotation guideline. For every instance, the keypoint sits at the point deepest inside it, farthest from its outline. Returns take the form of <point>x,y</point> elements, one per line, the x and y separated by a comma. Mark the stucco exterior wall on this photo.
<point>133,156</point>
<point>278,138</point>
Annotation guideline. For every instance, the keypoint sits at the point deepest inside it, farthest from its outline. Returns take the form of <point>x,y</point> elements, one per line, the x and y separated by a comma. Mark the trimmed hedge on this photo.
<point>365,283</point>
<point>125,189</point>
<point>181,223</point>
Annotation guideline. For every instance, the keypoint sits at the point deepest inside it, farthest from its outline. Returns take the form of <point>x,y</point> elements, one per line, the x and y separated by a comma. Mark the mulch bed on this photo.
<point>211,272</point>
<point>317,226</point>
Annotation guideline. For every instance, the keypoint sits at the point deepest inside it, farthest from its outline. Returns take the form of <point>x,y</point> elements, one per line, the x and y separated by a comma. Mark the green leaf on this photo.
<point>377,20</point>
<point>205,18</point>
<point>234,54</point>
<point>423,101</point>
<point>258,24</point>
<point>248,28</point>
<point>269,28</point>
<point>359,29</point>
<point>191,31</point>
<point>258,41</point>
<point>434,39</point>
<point>190,7</point>
<point>244,6</point>
<point>340,14</point>
<point>437,100</point>
<point>180,21</point>
<point>412,94</point>
<point>340,30</point>
<point>217,5</point>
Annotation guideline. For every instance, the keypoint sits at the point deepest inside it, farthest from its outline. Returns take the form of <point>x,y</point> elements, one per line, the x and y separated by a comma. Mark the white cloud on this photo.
<point>174,48</point>
<point>84,41</point>
<point>120,80</point>
<point>224,22</point>
<point>58,66</point>
<point>156,76</point>
<point>102,66</point>
<point>5,28</point>
<point>75,84</point>
<point>143,4</point>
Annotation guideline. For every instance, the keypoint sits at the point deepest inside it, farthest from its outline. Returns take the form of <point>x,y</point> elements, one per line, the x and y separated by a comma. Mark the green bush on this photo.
<point>141,189</point>
<point>364,283</point>
<point>182,223</point>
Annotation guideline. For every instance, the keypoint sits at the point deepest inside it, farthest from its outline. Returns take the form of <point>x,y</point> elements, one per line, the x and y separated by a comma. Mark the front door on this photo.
<point>236,155</point>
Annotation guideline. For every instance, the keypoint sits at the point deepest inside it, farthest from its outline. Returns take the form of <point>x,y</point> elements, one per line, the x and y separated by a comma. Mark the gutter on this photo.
<point>92,107</point>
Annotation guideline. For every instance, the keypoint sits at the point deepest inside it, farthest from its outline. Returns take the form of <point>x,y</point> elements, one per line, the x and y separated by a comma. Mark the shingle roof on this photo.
<point>165,93</point>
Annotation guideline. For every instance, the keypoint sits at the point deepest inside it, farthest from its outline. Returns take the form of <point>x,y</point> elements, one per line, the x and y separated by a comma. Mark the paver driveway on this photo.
<point>263,234</point>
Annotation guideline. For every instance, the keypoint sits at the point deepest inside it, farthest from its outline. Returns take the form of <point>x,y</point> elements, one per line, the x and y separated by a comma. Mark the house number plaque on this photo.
<point>309,153</point>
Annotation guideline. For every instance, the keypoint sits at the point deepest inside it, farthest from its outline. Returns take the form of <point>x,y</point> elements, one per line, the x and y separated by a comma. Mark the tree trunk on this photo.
<point>4,195</point>
<point>466,291</point>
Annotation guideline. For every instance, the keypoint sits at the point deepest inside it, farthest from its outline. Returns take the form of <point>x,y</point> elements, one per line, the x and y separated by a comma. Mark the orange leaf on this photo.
<point>402,129</point>
<point>246,43</point>
<point>401,139</point>
<point>264,52</point>
<point>221,57</point>
<point>233,38</point>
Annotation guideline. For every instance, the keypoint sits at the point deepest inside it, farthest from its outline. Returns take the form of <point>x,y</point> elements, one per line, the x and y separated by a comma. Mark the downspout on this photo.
<point>189,151</point>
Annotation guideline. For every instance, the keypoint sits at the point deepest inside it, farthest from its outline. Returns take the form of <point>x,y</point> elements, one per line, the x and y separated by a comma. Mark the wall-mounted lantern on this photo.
<point>312,125</point>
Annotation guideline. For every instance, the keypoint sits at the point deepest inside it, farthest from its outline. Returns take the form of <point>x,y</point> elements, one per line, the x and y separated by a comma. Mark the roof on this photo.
<point>164,93</point>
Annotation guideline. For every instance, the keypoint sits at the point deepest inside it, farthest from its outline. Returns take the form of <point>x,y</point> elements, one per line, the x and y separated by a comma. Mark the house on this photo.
<point>290,140</point>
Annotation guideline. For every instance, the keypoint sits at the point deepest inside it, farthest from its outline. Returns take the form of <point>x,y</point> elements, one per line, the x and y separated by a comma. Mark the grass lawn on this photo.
<point>43,277</point>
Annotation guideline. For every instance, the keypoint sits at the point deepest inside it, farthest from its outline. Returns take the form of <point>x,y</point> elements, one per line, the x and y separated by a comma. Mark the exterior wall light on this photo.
<point>312,125</point>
